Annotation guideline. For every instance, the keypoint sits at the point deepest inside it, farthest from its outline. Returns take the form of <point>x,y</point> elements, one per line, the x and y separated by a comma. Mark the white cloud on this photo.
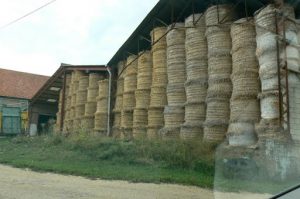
<point>76,32</point>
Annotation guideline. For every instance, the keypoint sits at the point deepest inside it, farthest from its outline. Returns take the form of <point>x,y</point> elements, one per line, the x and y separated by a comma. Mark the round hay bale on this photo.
<point>120,86</point>
<point>127,133</point>
<point>120,66</point>
<point>158,38</point>
<point>139,132</point>
<point>269,104</point>
<point>244,60</point>
<point>219,87</point>
<point>195,48</point>
<point>94,78</point>
<point>173,116</point>
<point>224,11</point>
<point>72,113</point>
<point>195,20</point>
<point>241,134</point>
<point>176,54</point>
<point>218,41</point>
<point>195,112</point>
<point>145,63</point>
<point>130,83</point>
<point>128,101</point>
<point>268,66</point>
<point>266,43</point>
<point>68,79</point>
<point>92,94</point>
<point>159,79</point>
<point>117,119</point>
<point>102,105</point>
<point>191,132</point>
<point>76,124</point>
<point>83,83</point>
<point>176,34</point>
<point>140,118</point>
<point>269,84</point>
<point>116,132</point>
<point>176,94</point>
<point>245,86</point>
<point>245,110</point>
<point>79,110</point>
<point>155,116</point>
<point>176,74</point>
<point>214,134</point>
<point>243,34</point>
<point>73,100</point>
<point>144,81</point>
<point>152,132</point>
<point>81,97</point>
<point>220,65</point>
<point>100,121</point>
<point>142,98</point>
<point>90,108</point>
<point>78,74</point>
<point>218,111</point>
<point>119,103</point>
<point>103,88</point>
<point>158,97</point>
<point>127,119</point>
<point>167,133</point>
<point>131,65</point>
<point>88,123</point>
<point>197,69</point>
<point>159,59</point>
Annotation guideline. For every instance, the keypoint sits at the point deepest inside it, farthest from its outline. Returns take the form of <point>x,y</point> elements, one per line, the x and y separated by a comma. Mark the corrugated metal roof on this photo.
<point>19,84</point>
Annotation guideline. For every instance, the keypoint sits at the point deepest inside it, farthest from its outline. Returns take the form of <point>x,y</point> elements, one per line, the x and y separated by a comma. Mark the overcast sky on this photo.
<point>67,31</point>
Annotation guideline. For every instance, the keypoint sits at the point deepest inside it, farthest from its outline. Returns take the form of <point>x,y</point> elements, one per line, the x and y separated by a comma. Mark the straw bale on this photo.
<point>127,119</point>
<point>214,134</point>
<point>170,132</point>
<point>145,63</point>
<point>81,97</point>
<point>176,74</point>
<point>243,34</point>
<point>76,124</point>
<point>90,108</point>
<point>142,98</point>
<point>245,110</point>
<point>159,59</point>
<point>120,86</point>
<point>176,94</point>
<point>116,132</point>
<point>102,105</point>
<point>245,86</point>
<point>139,132</point>
<point>218,41</point>
<point>131,65</point>
<point>173,115</point>
<point>244,60</point>
<point>68,79</point>
<point>94,78</point>
<point>241,134</point>
<point>83,83</point>
<point>152,132</point>
<point>88,123</point>
<point>144,81</point>
<point>219,87</point>
<point>128,101</point>
<point>155,116</point>
<point>176,34</point>
<point>219,65</point>
<point>103,88</point>
<point>224,11</point>
<point>159,79</point>
<point>92,94</point>
<point>266,43</point>
<point>77,75</point>
<point>72,113</point>
<point>140,117</point>
<point>195,112</point>
<point>158,38</point>
<point>158,97</point>
<point>117,119</point>
<point>196,20</point>
<point>269,104</point>
<point>176,54</point>
<point>100,121</point>
<point>127,133</point>
<point>130,83</point>
<point>120,67</point>
<point>218,111</point>
<point>79,110</point>
<point>119,103</point>
<point>191,132</point>
<point>197,69</point>
<point>269,84</point>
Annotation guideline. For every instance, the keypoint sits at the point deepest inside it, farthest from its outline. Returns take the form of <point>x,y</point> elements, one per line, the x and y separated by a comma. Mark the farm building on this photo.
<point>16,90</point>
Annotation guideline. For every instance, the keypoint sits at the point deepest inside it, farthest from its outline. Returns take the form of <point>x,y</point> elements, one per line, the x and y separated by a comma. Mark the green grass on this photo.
<point>97,157</point>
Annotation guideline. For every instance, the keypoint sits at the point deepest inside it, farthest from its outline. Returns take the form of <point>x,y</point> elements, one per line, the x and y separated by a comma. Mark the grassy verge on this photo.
<point>96,157</point>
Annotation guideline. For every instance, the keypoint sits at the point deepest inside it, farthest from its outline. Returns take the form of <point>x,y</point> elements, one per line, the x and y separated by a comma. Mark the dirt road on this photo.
<point>26,184</point>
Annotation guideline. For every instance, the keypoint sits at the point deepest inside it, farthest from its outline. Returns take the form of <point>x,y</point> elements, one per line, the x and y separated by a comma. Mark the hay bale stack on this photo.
<point>266,52</point>
<point>101,114</point>
<point>176,67</point>
<point>158,97</point>
<point>244,106</point>
<point>218,20</point>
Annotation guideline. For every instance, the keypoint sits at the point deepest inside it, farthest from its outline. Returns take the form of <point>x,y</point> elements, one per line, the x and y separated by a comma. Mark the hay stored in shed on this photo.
<point>241,134</point>
<point>131,65</point>
<point>155,117</point>
<point>94,78</point>
<point>140,118</point>
<point>218,40</point>
<point>127,133</point>
<point>120,66</point>
<point>158,96</point>
<point>127,119</point>
<point>139,132</point>
<point>116,132</point>
<point>244,61</point>
<point>176,94</point>
<point>102,105</point>
<point>88,123</point>
<point>245,110</point>
<point>196,90</point>
<point>159,79</point>
<point>118,103</point>
<point>81,97</point>
<point>103,88</point>
<point>191,133</point>
<point>219,88</point>
<point>158,38</point>
<point>90,108</point>
<point>128,101</point>
<point>220,65</point>
<point>269,104</point>
<point>145,63</point>
<point>92,94</point>
<point>214,133</point>
<point>120,86</point>
<point>195,113</point>
<point>117,119</point>
<point>142,98</point>
<point>79,110</point>
<point>245,86</point>
<point>130,83</point>
<point>176,34</point>
<point>83,83</point>
<point>196,69</point>
<point>217,112</point>
<point>167,133</point>
<point>152,132</point>
<point>78,74</point>
<point>144,82</point>
<point>159,60</point>
<point>173,116</point>
<point>217,14</point>
<point>100,121</point>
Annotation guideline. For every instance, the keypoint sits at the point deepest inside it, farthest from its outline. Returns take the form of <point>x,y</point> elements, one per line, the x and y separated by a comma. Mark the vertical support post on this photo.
<point>63,102</point>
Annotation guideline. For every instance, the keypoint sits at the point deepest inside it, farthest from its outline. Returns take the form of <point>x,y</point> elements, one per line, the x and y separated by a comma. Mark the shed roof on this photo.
<point>19,84</point>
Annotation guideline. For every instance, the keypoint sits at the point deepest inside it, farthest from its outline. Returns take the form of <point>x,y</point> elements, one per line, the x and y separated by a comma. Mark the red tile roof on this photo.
<point>19,84</point>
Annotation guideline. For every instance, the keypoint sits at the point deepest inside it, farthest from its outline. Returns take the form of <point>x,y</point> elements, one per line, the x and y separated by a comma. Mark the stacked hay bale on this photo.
<point>81,99</point>
<point>130,83</point>
<point>196,71</point>
<point>244,105</point>
<point>67,102</point>
<point>174,111</point>
<point>101,114</point>
<point>91,104</point>
<point>265,20</point>
<point>119,101</point>
<point>158,97</point>
<point>58,124</point>
<point>69,124</point>
<point>218,20</point>
<point>142,95</point>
